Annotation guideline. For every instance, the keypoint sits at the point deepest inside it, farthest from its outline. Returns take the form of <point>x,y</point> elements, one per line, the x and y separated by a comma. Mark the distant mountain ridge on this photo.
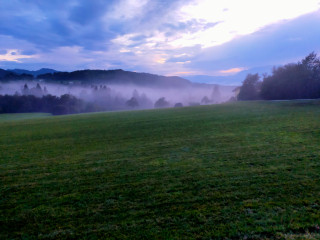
<point>117,76</point>
<point>33,73</point>
<point>12,76</point>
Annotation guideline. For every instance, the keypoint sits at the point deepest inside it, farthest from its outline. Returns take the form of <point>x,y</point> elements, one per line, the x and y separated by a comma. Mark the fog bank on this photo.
<point>124,96</point>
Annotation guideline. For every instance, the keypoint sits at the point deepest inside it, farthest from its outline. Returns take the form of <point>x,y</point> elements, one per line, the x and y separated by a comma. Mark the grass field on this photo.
<point>22,116</point>
<point>246,170</point>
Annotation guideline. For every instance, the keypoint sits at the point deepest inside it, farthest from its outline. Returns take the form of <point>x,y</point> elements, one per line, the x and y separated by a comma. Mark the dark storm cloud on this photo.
<point>88,12</point>
<point>50,24</point>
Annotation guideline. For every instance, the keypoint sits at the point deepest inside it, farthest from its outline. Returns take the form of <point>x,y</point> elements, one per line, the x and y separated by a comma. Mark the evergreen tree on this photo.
<point>250,88</point>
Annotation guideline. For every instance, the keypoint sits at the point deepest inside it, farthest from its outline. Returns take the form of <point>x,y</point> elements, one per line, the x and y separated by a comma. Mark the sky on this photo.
<point>167,37</point>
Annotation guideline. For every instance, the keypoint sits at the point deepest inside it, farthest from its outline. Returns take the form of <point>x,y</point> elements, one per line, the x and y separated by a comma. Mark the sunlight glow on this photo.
<point>236,18</point>
<point>160,60</point>
<point>13,55</point>
<point>232,70</point>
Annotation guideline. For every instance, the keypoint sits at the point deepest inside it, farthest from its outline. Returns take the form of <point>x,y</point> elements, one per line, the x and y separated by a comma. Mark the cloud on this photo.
<point>232,71</point>
<point>164,37</point>
<point>14,55</point>
<point>88,12</point>
<point>51,24</point>
<point>242,18</point>
<point>125,10</point>
<point>276,44</point>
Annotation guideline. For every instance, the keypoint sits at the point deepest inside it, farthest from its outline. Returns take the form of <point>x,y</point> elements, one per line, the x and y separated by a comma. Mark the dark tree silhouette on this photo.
<point>25,90</point>
<point>294,81</point>
<point>66,104</point>
<point>161,103</point>
<point>132,103</point>
<point>216,95</point>
<point>205,100</point>
<point>250,88</point>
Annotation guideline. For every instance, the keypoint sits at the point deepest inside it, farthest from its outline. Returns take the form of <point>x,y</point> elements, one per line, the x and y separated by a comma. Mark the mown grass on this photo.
<point>22,116</point>
<point>247,170</point>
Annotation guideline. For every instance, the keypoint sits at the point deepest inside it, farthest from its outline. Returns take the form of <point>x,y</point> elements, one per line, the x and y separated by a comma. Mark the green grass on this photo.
<point>22,116</point>
<point>247,170</point>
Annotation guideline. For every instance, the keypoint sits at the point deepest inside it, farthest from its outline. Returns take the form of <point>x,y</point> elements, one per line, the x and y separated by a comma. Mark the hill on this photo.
<point>12,76</point>
<point>33,73</point>
<point>118,76</point>
<point>246,170</point>
<point>3,73</point>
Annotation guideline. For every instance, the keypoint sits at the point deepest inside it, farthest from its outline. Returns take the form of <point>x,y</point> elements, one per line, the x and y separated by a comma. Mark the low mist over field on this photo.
<point>121,96</point>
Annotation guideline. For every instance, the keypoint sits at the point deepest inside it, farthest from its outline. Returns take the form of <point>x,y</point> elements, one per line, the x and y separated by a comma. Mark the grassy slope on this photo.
<point>242,170</point>
<point>22,116</point>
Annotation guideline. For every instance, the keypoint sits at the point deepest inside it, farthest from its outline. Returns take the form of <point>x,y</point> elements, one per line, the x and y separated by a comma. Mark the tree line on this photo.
<point>65,104</point>
<point>299,80</point>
